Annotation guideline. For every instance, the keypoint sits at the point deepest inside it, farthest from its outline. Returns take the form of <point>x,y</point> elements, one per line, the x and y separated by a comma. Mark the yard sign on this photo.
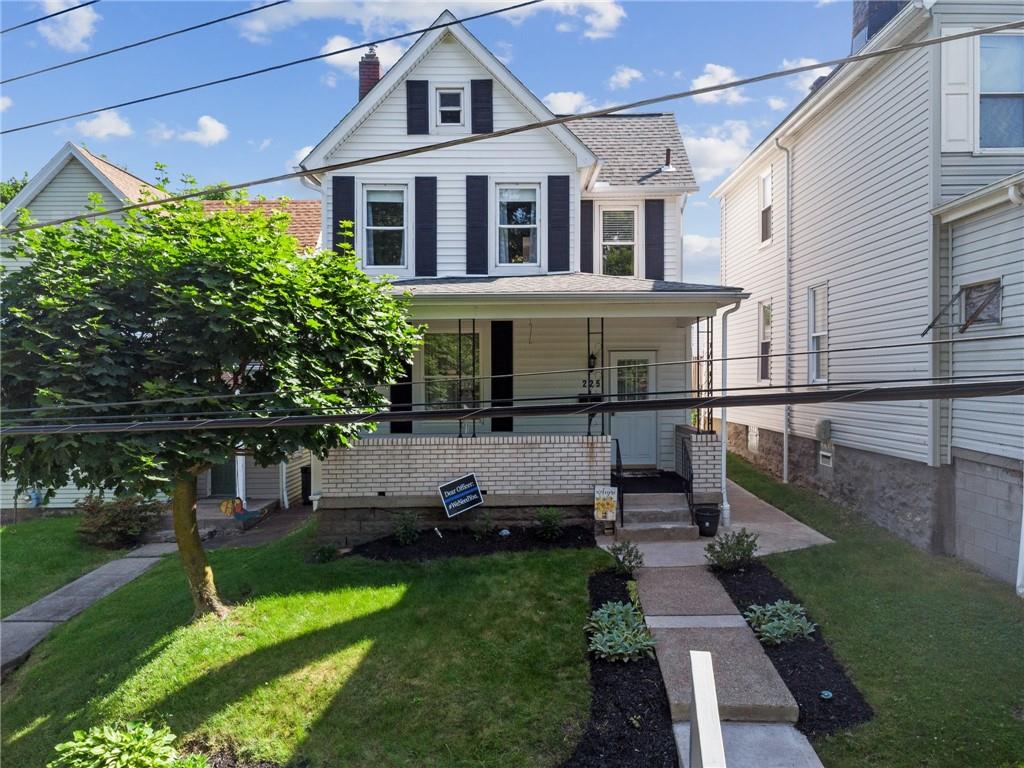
<point>606,503</point>
<point>460,495</point>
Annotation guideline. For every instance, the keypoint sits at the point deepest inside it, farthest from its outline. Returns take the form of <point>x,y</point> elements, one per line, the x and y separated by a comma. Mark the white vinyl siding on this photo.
<point>293,476</point>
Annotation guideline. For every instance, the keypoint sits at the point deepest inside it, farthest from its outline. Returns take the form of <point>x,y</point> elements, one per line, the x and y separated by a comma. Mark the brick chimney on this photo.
<point>369,72</point>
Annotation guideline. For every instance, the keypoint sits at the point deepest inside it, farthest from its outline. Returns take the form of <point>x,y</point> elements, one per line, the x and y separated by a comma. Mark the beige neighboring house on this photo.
<point>63,188</point>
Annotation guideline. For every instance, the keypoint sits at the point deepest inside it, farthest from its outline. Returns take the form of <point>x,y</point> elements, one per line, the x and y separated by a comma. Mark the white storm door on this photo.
<point>633,377</point>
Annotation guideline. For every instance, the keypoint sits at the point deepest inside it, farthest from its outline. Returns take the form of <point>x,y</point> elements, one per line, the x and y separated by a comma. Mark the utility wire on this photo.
<point>473,138</point>
<point>273,68</point>
<point>48,16</point>
<point>129,46</point>
<point>692,361</point>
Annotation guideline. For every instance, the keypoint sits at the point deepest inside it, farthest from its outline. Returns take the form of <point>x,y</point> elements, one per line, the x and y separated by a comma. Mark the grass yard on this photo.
<point>937,649</point>
<point>38,556</point>
<point>461,662</point>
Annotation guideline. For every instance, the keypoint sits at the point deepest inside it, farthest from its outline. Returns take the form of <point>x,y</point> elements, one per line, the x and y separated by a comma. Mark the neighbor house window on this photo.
<point>1001,107</point>
<point>765,204</point>
<point>451,361</point>
<point>384,231</point>
<point>618,242</point>
<point>982,303</point>
<point>817,327</point>
<point>764,341</point>
<point>449,106</point>
<point>517,224</point>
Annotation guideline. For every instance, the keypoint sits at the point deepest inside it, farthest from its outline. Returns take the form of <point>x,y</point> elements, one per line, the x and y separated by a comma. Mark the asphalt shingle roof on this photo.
<point>305,223</point>
<point>564,283</point>
<point>631,149</point>
<point>131,186</point>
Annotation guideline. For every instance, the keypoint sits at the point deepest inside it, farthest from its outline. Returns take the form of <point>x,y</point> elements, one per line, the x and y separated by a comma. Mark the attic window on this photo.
<point>449,106</point>
<point>982,303</point>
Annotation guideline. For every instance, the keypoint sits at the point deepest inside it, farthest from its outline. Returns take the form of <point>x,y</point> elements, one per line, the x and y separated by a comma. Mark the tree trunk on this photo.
<point>190,548</point>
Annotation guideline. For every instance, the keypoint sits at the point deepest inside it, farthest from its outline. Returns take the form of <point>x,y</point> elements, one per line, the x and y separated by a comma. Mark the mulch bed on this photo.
<point>463,542</point>
<point>630,722</point>
<point>806,666</point>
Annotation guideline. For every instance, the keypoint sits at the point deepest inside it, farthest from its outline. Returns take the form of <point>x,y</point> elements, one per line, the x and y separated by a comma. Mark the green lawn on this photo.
<point>462,662</point>
<point>937,649</point>
<point>38,556</point>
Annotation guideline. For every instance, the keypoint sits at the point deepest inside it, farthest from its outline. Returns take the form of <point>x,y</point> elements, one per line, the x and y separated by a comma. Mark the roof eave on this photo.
<point>989,196</point>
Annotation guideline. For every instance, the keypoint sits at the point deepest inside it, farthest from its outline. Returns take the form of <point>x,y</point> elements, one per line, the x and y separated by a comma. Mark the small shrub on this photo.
<point>406,527</point>
<point>191,761</point>
<point>138,745</point>
<point>119,523</point>
<point>618,633</point>
<point>732,551</point>
<point>634,593</point>
<point>550,523</point>
<point>325,553</point>
<point>628,557</point>
<point>779,622</point>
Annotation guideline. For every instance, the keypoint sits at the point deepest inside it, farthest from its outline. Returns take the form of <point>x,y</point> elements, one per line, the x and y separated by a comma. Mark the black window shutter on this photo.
<point>343,208</point>
<point>501,366</point>
<point>426,225</point>
<point>654,239</point>
<point>476,225</point>
<point>401,400</point>
<point>558,223</point>
<point>586,235</point>
<point>417,114</point>
<point>482,103</point>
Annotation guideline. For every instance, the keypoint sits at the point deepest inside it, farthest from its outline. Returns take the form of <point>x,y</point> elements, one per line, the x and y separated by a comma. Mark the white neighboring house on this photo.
<point>557,249</point>
<point>889,198</point>
<point>63,188</point>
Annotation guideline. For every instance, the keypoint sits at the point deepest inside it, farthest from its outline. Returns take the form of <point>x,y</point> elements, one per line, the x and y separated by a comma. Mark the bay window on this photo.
<point>518,241</point>
<point>618,242</point>
<point>384,230</point>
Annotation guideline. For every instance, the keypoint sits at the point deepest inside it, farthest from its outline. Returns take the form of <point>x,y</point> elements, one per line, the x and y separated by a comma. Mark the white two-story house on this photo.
<point>546,266</point>
<point>885,210</point>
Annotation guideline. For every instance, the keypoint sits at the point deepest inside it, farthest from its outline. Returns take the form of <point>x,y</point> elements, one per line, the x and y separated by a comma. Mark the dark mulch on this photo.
<point>806,666</point>
<point>228,759</point>
<point>630,723</point>
<point>462,542</point>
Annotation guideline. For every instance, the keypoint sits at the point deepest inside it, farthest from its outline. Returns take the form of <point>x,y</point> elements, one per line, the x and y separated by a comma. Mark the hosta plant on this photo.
<point>127,745</point>
<point>779,622</point>
<point>618,633</point>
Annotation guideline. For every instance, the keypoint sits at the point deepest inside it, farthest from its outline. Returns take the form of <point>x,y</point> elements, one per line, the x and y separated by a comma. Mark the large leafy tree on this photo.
<point>11,187</point>
<point>172,304</point>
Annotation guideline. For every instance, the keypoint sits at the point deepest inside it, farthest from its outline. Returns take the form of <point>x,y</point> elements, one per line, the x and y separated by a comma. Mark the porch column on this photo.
<point>240,477</point>
<point>726,511</point>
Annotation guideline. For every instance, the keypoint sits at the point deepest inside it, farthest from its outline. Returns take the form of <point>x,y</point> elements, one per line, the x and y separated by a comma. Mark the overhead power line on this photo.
<point>473,138</point>
<point>273,68</point>
<point>48,16</point>
<point>148,40</point>
<point>853,395</point>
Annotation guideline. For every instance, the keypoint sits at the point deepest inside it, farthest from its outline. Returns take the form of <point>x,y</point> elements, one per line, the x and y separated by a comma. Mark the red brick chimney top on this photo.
<point>369,72</point>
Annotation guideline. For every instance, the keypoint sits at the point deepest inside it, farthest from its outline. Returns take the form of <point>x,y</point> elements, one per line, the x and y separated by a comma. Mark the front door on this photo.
<point>222,479</point>
<point>633,378</point>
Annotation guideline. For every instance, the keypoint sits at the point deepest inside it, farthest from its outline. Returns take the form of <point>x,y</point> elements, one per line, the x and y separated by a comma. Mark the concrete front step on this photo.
<point>654,501</point>
<point>674,531</point>
<point>677,515</point>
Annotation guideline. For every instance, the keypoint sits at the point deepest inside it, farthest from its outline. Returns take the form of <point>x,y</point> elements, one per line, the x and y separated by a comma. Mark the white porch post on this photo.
<point>315,481</point>
<point>240,477</point>
<point>724,422</point>
<point>282,483</point>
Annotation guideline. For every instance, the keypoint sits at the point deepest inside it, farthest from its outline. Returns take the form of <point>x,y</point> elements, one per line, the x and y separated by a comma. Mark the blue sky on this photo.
<point>573,54</point>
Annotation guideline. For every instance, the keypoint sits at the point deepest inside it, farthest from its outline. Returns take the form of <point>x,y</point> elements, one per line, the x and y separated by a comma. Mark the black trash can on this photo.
<point>707,516</point>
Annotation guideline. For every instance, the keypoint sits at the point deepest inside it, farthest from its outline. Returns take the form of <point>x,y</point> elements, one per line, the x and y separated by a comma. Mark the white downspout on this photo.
<point>724,423</point>
<point>786,415</point>
<point>282,483</point>
<point>240,478</point>
<point>1020,557</point>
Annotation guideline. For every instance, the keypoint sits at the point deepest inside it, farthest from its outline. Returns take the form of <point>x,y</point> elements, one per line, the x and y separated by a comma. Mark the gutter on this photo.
<point>786,409</point>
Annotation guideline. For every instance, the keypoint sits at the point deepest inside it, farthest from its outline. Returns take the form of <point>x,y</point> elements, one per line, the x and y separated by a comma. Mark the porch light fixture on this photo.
<point>592,361</point>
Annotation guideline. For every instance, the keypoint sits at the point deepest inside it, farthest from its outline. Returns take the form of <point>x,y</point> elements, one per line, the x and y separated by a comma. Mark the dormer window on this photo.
<point>449,107</point>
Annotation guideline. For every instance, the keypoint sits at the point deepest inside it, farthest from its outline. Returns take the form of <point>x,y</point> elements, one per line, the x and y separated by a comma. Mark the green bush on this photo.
<point>191,761</point>
<point>119,523</point>
<point>406,527</point>
<point>482,526</point>
<point>550,523</point>
<point>618,633</point>
<point>634,593</point>
<point>128,745</point>
<point>731,551</point>
<point>628,557</point>
<point>779,622</point>
<point>325,553</point>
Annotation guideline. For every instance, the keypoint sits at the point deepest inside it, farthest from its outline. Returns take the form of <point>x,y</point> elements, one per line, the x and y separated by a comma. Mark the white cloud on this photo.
<point>329,79</point>
<point>803,82</point>
<point>716,74</point>
<point>70,31</point>
<point>776,103</point>
<point>701,259</point>
<point>677,74</point>
<point>568,102</point>
<point>623,77</point>
<point>259,146</point>
<point>719,149</point>
<point>565,26</point>
<point>160,132</point>
<point>297,157</point>
<point>103,125</point>
<point>388,53</point>
<point>504,51</point>
<point>209,131</point>
<point>5,103</point>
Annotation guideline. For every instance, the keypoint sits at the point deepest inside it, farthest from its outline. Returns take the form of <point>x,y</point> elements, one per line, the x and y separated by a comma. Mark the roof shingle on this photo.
<point>561,283</point>
<point>305,222</point>
<point>131,186</point>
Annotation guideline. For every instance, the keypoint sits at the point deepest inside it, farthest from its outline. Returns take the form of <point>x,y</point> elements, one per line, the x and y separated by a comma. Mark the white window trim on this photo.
<point>813,333</point>
<point>435,109</point>
<point>639,260</point>
<point>760,340</point>
<point>963,302</point>
<point>406,269</point>
<point>976,96</point>
<point>497,267</point>
<point>761,206</point>
<point>438,109</point>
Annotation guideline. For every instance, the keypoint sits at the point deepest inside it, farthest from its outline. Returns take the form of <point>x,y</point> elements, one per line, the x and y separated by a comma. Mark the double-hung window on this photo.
<point>384,228</point>
<point>817,334</point>
<point>449,106</point>
<point>518,241</point>
<point>764,341</point>
<point>764,196</point>
<point>1001,92</point>
<point>451,366</point>
<point>618,242</point>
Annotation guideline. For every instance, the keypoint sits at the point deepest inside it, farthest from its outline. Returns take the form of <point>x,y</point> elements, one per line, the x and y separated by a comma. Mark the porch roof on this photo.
<point>552,284</point>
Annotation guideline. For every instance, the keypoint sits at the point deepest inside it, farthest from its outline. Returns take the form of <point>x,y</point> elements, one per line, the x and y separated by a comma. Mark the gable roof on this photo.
<point>413,55</point>
<point>305,222</point>
<point>119,182</point>
<point>631,149</point>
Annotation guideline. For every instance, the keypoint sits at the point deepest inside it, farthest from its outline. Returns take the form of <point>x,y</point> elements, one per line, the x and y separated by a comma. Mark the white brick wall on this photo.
<point>705,457</point>
<point>510,464</point>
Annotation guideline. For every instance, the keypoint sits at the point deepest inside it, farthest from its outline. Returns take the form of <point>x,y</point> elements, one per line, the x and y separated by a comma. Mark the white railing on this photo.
<point>706,747</point>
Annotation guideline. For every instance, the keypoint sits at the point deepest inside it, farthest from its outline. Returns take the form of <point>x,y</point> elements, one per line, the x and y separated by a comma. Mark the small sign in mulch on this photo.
<point>460,495</point>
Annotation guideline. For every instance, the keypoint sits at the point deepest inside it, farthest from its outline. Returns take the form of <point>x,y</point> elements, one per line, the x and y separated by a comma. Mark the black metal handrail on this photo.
<point>686,472</point>
<point>617,480</point>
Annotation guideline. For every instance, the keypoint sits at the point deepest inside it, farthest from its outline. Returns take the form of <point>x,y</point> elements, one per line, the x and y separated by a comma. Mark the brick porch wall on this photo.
<point>706,460</point>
